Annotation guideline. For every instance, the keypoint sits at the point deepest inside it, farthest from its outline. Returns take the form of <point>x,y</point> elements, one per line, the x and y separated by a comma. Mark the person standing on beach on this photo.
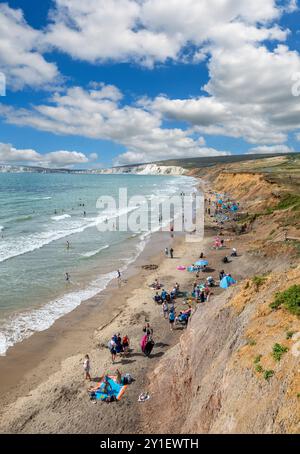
<point>112,348</point>
<point>87,367</point>
<point>166,252</point>
<point>67,276</point>
<point>165,309</point>
<point>172,317</point>
<point>172,253</point>
<point>148,329</point>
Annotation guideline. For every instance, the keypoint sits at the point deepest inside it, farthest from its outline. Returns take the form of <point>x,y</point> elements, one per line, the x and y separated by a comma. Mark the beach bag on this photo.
<point>127,379</point>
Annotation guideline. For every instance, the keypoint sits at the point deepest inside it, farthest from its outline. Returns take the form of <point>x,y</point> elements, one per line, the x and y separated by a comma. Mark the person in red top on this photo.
<point>125,344</point>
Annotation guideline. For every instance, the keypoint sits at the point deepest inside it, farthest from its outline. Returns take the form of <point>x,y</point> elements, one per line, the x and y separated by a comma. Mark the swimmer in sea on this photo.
<point>68,245</point>
<point>67,276</point>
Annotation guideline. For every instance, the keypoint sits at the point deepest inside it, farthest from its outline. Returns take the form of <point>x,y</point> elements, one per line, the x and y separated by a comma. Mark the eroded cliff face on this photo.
<point>209,382</point>
<point>222,377</point>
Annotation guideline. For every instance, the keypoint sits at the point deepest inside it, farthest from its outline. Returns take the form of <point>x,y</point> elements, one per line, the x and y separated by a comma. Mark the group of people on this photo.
<point>118,345</point>
<point>169,252</point>
<point>202,292</point>
<point>164,296</point>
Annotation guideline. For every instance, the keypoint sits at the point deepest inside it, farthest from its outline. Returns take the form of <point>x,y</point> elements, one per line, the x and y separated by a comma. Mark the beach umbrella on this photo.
<point>227,282</point>
<point>201,263</point>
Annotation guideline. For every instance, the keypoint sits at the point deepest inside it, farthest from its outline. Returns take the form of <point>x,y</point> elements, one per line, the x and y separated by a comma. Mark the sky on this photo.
<point>113,82</point>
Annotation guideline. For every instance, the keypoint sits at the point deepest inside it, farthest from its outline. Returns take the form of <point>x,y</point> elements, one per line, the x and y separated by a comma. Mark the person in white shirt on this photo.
<point>87,367</point>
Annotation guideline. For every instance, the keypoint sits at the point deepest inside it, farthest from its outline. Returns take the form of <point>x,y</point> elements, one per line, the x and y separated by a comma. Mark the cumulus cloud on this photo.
<point>249,95</point>
<point>20,59</point>
<point>98,114</point>
<point>264,149</point>
<point>62,158</point>
<point>150,31</point>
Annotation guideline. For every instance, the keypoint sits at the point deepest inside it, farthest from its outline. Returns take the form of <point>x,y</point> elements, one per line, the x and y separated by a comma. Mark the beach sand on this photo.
<point>42,386</point>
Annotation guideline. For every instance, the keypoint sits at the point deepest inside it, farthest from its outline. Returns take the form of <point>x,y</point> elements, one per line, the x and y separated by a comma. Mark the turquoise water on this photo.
<point>39,213</point>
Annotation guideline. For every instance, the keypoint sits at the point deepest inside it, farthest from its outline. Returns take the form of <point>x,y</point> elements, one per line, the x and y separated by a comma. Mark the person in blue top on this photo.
<point>172,317</point>
<point>163,295</point>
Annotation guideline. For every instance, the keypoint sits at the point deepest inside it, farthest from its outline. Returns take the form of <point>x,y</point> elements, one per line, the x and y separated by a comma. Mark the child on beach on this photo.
<point>125,344</point>
<point>87,367</point>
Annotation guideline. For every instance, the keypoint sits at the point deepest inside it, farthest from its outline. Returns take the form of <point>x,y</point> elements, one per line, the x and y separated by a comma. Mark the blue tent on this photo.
<point>227,282</point>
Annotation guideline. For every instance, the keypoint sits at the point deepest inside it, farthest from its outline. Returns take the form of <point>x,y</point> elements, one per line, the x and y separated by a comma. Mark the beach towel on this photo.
<point>115,390</point>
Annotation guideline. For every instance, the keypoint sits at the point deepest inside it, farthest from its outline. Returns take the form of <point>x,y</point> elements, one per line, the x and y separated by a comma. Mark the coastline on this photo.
<point>50,395</point>
<point>23,357</point>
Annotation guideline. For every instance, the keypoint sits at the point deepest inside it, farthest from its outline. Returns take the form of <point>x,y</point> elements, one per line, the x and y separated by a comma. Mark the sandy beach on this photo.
<point>52,367</point>
<point>42,384</point>
<point>44,373</point>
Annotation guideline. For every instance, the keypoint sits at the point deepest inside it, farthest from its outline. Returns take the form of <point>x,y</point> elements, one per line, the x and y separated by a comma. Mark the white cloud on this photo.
<point>20,59</point>
<point>264,149</point>
<point>150,31</point>
<point>98,114</point>
<point>9,155</point>
<point>249,95</point>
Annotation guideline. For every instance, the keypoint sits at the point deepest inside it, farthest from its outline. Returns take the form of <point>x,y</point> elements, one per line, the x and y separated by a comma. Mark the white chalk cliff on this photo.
<point>146,169</point>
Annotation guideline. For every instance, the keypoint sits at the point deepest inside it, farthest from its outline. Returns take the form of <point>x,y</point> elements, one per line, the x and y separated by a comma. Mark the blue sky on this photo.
<point>125,81</point>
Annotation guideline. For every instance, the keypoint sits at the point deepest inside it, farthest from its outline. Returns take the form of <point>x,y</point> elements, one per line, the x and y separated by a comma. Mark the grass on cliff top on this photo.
<point>289,299</point>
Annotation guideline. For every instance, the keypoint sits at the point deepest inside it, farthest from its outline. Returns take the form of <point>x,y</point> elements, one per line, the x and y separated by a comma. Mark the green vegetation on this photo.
<point>289,201</point>
<point>268,374</point>
<point>259,368</point>
<point>289,299</point>
<point>278,351</point>
<point>257,359</point>
<point>290,334</point>
<point>258,281</point>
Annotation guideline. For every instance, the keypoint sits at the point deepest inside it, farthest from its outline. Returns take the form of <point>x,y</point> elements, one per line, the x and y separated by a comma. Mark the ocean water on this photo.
<point>39,213</point>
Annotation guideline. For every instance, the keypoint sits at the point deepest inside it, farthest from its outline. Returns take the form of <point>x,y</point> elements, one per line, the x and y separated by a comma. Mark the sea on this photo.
<point>39,215</point>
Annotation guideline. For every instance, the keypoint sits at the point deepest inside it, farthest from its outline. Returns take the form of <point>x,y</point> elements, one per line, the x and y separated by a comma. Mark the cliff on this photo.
<point>236,367</point>
<point>146,169</point>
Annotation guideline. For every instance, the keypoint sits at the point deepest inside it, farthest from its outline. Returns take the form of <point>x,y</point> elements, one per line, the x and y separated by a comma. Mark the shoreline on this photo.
<point>21,321</point>
<point>57,375</point>
<point>23,356</point>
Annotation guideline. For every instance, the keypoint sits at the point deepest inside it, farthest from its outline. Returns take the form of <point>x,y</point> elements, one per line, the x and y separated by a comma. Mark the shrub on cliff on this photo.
<point>289,299</point>
<point>278,351</point>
